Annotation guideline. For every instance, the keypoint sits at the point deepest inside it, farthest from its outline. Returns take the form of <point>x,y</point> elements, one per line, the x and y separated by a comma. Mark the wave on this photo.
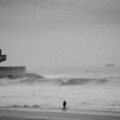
<point>83,81</point>
<point>76,81</point>
<point>55,81</point>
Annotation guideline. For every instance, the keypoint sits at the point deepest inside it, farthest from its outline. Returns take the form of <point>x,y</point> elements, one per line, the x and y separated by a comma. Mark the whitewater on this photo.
<point>82,88</point>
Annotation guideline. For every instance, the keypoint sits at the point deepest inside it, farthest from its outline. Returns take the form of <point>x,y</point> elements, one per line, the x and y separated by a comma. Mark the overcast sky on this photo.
<point>56,33</point>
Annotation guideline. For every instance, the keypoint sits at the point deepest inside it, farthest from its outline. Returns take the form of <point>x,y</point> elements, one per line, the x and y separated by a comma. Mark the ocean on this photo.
<point>82,88</point>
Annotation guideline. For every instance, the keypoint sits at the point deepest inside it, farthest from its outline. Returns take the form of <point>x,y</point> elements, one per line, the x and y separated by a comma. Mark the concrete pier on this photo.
<point>12,71</point>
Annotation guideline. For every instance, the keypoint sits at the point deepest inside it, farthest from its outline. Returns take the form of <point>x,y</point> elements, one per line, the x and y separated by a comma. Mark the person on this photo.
<point>64,105</point>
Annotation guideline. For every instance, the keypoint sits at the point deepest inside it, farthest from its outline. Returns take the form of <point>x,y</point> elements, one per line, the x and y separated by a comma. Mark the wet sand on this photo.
<point>50,114</point>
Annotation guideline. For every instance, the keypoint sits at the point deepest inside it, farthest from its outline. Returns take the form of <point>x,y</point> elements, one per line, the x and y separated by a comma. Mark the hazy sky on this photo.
<point>53,33</point>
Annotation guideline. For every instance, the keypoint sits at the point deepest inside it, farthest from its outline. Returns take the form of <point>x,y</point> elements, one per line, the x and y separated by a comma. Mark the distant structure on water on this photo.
<point>110,65</point>
<point>11,71</point>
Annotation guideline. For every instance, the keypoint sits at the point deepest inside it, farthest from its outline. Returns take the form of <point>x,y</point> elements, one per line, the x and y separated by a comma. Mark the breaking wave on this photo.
<point>55,81</point>
<point>82,77</point>
<point>81,81</point>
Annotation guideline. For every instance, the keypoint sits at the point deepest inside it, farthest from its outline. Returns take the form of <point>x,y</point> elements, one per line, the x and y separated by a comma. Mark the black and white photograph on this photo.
<point>59,59</point>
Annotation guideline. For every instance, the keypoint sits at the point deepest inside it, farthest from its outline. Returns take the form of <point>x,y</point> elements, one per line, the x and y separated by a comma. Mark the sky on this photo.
<point>60,33</point>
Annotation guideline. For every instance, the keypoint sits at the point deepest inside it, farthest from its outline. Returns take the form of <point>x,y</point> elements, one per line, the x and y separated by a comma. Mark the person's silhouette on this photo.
<point>64,105</point>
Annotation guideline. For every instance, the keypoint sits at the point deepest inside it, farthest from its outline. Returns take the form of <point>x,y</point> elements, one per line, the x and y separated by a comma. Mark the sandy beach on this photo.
<point>51,114</point>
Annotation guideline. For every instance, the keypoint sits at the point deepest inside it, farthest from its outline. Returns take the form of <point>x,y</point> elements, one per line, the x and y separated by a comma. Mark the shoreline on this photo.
<point>12,113</point>
<point>59,110</point>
